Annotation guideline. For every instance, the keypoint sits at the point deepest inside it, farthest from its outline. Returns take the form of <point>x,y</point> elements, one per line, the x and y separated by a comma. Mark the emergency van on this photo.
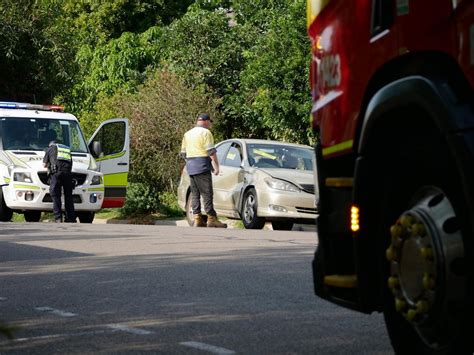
<point>100,166</point>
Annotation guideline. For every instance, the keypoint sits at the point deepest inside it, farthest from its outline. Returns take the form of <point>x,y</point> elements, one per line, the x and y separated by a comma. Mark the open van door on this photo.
<point>110,146</point>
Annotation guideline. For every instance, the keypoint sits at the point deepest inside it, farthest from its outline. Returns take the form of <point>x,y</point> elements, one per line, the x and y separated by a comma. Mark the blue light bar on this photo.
<point>5,104</point>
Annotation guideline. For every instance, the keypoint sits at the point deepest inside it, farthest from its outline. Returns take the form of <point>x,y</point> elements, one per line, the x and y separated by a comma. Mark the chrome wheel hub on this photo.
<point>426,244</point>
<point>249,208</point>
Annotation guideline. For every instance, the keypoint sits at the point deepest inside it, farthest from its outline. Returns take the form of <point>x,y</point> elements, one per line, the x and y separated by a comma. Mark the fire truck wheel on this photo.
<point>32,216</point>
<point>427,304</point>
<point>249,211</point>
<point>6,214</point>
<point>189,212</point>
<point>86,217</point>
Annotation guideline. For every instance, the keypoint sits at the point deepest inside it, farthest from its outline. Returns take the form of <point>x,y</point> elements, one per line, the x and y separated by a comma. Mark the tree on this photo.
<point>205,49</point>
<point>35,55</point>
<point>252,54</point>
<point>273,99</point>
<point>116,43</point>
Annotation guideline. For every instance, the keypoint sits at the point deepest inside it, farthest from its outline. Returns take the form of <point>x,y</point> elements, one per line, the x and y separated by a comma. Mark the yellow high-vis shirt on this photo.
<point>197,142</point>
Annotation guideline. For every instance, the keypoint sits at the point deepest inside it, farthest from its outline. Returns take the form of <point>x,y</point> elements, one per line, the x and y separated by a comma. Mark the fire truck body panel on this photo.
<point>342,76</point>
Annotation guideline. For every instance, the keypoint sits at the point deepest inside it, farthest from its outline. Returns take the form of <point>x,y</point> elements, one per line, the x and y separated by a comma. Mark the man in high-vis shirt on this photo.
<point>58,160</point>
<point>201,159</point>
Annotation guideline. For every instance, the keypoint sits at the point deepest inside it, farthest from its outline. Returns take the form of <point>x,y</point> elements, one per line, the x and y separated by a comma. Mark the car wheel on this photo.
<point>32,216</point>
<point>6,213</point>
<point>189,212</point>
<point>86,217</point>
<point>282,225</point>
<point>249,211</point>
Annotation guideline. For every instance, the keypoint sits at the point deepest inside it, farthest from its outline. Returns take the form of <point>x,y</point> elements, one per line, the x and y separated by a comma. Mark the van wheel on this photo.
<point>86,217</point>
<point>32,216</point>
<point>6,213</point>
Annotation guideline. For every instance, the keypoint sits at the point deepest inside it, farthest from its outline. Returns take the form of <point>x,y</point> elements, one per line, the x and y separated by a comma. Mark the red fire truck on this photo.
<point>393,109</point>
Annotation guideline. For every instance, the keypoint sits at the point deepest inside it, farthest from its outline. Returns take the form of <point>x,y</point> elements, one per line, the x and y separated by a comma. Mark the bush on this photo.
<point>141,199</point>
<point>169,205</point>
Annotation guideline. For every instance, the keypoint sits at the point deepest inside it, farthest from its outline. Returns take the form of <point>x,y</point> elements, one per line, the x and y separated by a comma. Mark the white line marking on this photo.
<point>3,299</point>
<point>206,347</point>
<point>57,312</point>
<point>64,335</point>
<point>124,328</point>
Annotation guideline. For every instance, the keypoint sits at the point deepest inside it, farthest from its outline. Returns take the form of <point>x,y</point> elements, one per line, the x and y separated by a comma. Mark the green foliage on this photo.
<point>35,53</point>
<point>108,213</point>
<point>145,199</point>
<point>169,205</point>
<point>254,57</point>
<point>95,22</point>
<point>204,50</point>
<point>273,99</point>
<point>18,217</point>
<point>116,42</point>
<point>117,65</point>
<point>141,199</point>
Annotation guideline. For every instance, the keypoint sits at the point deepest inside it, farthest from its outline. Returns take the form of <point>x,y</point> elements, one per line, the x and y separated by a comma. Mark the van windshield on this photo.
<point>35,134</point>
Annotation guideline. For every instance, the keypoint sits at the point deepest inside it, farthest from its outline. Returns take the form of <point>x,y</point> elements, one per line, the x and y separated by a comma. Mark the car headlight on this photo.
<point>283,185</point>
<point>96,180</point>
<point>22,177</point>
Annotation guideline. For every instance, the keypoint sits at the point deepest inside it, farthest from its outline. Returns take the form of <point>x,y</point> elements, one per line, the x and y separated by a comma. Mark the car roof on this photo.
<point>264,141</point>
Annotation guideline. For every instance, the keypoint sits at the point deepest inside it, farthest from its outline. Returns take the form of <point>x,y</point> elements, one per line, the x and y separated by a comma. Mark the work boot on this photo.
<point>213,222</point>
<point>198,222</point>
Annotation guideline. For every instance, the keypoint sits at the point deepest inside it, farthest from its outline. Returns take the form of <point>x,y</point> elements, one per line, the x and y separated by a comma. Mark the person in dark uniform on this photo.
<point>58,160</point>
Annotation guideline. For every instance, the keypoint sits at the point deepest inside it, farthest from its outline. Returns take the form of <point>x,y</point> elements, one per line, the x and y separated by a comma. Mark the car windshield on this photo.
<point>277,156</point>
<point>35,134</point>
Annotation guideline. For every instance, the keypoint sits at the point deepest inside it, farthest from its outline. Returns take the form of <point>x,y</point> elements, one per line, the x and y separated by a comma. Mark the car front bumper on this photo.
<point>273,204</point>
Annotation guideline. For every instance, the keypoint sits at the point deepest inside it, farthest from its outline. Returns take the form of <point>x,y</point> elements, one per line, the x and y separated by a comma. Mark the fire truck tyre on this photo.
<point>6,214</point>
<point>32,216</point>
<point>86,217</point>
<point>282,225</point>
<point>189,212</point>
<point>427,307</point>
<point>249,211</point>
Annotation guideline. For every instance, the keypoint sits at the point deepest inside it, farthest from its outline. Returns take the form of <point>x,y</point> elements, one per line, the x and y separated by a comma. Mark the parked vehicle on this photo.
<point>259,181</point>
<point>100,168</point>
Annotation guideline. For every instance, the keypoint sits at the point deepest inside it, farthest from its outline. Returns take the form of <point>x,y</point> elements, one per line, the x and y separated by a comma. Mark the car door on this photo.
<point>228,183</point>
<point>112,138</point>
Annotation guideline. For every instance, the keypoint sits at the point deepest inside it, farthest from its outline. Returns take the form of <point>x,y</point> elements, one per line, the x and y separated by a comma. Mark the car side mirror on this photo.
<point>96,149</point>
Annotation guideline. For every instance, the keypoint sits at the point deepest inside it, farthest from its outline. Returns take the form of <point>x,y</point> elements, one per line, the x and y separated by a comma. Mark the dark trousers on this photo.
<point>62,180</point>
<point>201,185</point>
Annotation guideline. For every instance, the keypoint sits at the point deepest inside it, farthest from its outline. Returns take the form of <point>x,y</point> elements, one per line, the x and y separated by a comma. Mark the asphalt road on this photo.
<point>130,289</point>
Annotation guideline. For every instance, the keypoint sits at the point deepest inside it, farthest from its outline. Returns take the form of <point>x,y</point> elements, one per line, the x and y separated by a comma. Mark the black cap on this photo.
<point>204,117</point>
